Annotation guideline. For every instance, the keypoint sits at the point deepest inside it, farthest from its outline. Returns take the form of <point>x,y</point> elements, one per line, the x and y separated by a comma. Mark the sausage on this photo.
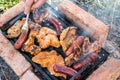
<point>58,25</point>
<point>90,58</point>
<point>64,70</point>
<point>78,41</point>
<point>55,25</point>
<point>23,36</point>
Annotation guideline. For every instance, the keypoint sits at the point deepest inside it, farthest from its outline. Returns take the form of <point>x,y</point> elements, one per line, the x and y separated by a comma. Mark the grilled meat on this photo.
<point>69,60</point>
<point>88,59</point>
<point>74,51</point>
<point>21,40</point>
<point>88,47</point>
<point>76,44</point>
<point>42,58</point>
<point>15,30</point>
<point>65,70</point>
<point>40,16</point>
<point>29,45</point>
<point>34,29</point>
<point>57,24</point>
<point>72,58</point>
<point>47,37</point>
<point>48,60</point>
<point>58,60</point>
<point>85,45</point>
<point>67,37</point>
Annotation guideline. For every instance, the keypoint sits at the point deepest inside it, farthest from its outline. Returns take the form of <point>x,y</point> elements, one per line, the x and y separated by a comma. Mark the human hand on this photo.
<point>32,4</point>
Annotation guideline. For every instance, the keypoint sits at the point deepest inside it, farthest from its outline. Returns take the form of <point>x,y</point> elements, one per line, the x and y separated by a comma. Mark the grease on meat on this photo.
<point>29,45</point>
<point>88,47</point>
<point>48,37</point>
<point>67,37</point>
<point>40,16</point>
<point>15,30</point>
<point>48,60</point>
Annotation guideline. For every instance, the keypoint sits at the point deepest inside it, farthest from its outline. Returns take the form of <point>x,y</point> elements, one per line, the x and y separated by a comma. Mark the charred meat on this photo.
<point>40,16</point>
<point>67,37</point>
<point>15,30</point>
<point>29,45</point>
<point>64,70</point>
<point>74,51</point>
<point>47,37</point>
<point>88,59</point>
<point>76,44</point>
<point>21,40</point>
<point>57,24</point>
<point>90,47</point>
<point>48,60</point>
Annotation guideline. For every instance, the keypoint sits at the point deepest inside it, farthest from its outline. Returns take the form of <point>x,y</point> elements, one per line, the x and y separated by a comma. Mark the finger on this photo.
<point>38,4</point>
<point>28,5</point>
<point>23,0</point>
<point>35,1</point>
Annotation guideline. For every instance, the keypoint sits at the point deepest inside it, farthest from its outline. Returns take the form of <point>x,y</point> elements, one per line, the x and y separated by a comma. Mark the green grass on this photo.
<point>6,4</point>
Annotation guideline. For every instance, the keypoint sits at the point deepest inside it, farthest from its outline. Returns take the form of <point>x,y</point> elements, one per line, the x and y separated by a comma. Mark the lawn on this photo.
<point>6,4</point>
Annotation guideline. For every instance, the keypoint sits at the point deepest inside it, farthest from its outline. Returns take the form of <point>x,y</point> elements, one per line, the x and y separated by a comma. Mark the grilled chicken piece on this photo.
<point>40,16</point>
<point>67,37</point>
<point>74,51</point>
<point>69,60</point>
<point>85,45</point>
<point>88,47</point>
<point>58,60</point>
<point>47,37</point>
<point>72,58</point>
<point>15,30</point>
<point>34,29</point>
<point>48,60</point>
<point>29,45</point>
<point>75,45</point>
<point>43,58</point>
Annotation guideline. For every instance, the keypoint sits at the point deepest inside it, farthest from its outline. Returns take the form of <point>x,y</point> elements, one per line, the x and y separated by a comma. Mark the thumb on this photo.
<point>38,4</point>
<point>28,5</point>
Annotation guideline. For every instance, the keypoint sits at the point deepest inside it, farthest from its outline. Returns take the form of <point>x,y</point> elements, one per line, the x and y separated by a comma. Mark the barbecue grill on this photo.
<point>43,73</point>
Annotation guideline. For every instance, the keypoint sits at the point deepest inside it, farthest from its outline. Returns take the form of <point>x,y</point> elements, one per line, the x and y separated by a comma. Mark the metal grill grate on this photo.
<point>44,73</point>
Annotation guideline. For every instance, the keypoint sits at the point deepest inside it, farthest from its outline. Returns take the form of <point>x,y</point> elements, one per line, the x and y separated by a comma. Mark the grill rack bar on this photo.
<point>89,68</point>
